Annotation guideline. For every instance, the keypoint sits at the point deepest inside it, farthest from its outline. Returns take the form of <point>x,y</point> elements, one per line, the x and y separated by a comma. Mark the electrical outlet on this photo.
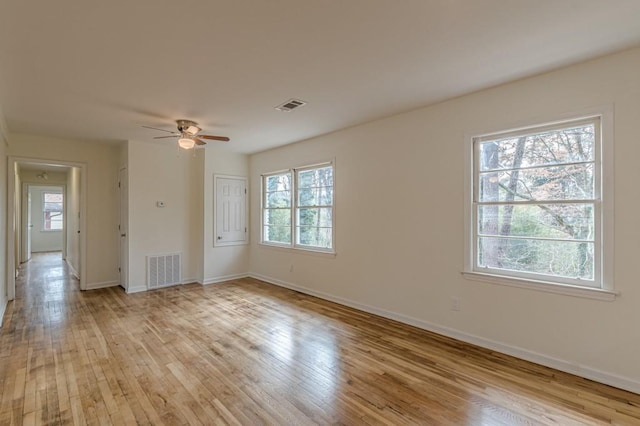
<point>455,303</point>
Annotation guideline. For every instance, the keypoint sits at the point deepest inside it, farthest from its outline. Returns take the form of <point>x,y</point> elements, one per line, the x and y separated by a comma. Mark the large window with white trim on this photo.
<point>537,204</point>
<point>297,208</point>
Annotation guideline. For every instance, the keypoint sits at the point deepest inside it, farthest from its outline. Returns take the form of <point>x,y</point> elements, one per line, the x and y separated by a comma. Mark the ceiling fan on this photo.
<point>188,134</point>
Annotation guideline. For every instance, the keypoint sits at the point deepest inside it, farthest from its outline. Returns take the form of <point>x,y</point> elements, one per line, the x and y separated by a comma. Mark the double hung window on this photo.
<point>297,208</point>
<point>536,206</point>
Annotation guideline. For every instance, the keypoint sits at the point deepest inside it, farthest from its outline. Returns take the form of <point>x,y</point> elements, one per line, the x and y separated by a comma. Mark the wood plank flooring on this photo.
<point>249,353</point>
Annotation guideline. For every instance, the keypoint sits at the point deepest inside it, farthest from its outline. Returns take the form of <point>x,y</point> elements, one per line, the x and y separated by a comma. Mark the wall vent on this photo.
<point>291,104</point>
<point>164,270</point>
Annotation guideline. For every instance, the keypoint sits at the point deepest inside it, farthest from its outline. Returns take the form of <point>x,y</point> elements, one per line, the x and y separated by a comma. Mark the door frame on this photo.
<point>123,246</point>
<point>12,211</point>
<point>25,216</point>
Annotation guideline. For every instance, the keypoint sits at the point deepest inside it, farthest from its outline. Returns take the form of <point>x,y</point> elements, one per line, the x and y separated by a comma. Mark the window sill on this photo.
<point>290,249</point>
<point>51,230</point>
<point>565,289</point>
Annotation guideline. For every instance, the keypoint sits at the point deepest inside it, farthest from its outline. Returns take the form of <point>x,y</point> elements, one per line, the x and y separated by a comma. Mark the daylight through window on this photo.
<point>536,204</point>
<point>298,208</point>
<point>53,211</point>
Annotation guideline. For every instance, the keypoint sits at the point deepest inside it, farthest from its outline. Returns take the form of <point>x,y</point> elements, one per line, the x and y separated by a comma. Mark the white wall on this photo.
<point>102,214</point>
<point>3,217</point>
<point>221,263</point>
<point>41,240</point>
<point>163,172</point>
<point>184,181</point>
<point>399,224</point>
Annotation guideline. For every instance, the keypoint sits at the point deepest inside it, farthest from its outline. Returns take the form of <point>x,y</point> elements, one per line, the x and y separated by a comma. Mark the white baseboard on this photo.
<point>72,270</point>
<point>137,289</point>
<point>104,284</point>
<point>223,278</point>
<point>527,355</point>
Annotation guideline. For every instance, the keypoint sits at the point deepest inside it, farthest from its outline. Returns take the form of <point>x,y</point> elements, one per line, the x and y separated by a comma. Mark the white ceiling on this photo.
<point>99,70</point>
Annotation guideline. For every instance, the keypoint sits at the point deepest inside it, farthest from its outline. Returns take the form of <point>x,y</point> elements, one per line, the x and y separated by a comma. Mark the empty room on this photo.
<point>297,213</point>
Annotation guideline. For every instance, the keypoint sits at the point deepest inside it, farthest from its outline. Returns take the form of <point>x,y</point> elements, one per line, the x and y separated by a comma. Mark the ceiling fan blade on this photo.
<point>215,138</point>
<point>155,128</point>
<point>199,141</point>
<point>164,137</point>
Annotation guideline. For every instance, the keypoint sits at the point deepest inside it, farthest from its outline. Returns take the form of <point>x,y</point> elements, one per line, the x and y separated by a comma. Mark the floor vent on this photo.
<point>164,270</point>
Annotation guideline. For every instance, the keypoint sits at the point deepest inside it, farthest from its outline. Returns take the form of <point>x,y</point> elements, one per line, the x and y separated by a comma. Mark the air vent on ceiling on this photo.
<point>291,104</point>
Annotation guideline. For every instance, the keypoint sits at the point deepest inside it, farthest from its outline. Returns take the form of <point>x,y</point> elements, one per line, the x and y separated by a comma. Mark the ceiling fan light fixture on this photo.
<point>186,143</point>
<point>192,130</point>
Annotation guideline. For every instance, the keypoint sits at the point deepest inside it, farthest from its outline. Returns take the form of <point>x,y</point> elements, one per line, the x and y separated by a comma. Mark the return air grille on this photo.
<point>291,104</point>
<point>164,270</point>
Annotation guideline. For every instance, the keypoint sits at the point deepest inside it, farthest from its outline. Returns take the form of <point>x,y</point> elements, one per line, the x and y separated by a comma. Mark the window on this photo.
<point>314,207</point>
<point>537,204</point>
<point>297,208</point>
<point>53,211</point>
<point>277,208</point>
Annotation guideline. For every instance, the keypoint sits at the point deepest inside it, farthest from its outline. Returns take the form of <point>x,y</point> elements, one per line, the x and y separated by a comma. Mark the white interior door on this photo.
<point>231,209</point>
<point>123,229</point>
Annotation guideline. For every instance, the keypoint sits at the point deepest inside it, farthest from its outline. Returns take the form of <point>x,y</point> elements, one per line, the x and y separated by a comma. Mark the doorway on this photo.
<point>45,205</point>
<point>43,218</point>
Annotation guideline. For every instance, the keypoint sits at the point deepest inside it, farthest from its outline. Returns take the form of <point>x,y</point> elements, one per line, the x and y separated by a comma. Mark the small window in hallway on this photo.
<point>53,211</point>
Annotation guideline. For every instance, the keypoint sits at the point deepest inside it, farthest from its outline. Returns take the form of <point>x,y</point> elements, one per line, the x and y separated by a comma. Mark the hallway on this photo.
<point>44,279</point>
<point>46,296</point>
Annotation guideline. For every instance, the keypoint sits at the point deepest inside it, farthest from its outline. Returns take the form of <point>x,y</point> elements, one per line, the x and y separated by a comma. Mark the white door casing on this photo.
<point>123,228</point>
<point>27,223</point>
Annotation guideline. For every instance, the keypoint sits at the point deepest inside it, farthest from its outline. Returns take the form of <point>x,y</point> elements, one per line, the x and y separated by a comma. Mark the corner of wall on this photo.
<point>4,142</point>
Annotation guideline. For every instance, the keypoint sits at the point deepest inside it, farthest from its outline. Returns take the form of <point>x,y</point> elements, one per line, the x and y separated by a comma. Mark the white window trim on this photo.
<point>331,252</point>
<point>606,291</point>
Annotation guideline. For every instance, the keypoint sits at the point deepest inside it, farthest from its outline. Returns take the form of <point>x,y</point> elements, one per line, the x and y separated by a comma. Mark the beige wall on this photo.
<point>3,218</point>
<point>102,215</point>
<point>400,216</point>
<point>162,172</point>
<point>228,262</point>
<point>31,176</point>
<point>184,181</point>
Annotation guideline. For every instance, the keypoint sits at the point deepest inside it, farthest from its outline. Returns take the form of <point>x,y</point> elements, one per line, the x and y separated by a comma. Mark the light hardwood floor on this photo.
<point>245,352</point>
